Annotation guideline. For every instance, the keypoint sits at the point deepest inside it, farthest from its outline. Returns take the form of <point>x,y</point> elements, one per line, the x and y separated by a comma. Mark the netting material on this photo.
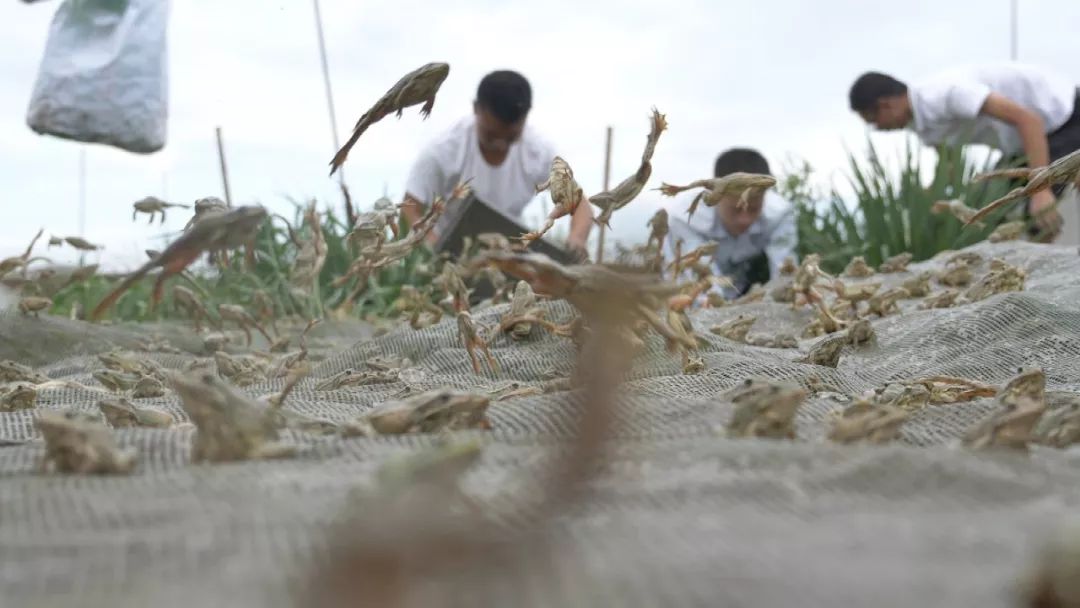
<point>680,514</point>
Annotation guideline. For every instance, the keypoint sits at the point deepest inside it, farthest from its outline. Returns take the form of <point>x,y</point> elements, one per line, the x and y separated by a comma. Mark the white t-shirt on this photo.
<point>454,156</point>
<point>946,106</point>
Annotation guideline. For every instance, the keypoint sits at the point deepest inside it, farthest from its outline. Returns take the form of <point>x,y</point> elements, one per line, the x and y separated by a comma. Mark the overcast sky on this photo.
<point>771,74</point>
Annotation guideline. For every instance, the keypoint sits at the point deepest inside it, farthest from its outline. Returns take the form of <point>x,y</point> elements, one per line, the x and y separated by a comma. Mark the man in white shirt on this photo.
<point>754,239</point>
<point>1015,108</point>
<point>494,147</point>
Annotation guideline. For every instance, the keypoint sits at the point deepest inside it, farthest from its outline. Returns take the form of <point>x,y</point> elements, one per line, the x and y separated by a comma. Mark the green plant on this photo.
<point>891,213</point>
<point>274,255</point>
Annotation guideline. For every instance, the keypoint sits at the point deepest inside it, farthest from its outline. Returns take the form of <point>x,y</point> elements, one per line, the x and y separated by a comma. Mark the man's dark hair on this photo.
<point>506,94</point>
<point>746,160</point>
<point>872,86</point>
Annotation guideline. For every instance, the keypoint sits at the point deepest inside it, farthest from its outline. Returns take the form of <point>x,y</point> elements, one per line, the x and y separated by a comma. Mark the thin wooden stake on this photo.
<point>224,172</point>
<point>607,178</point>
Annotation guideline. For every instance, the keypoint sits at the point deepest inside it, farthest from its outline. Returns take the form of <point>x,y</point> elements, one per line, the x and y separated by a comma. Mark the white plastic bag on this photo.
<point>103,77</point>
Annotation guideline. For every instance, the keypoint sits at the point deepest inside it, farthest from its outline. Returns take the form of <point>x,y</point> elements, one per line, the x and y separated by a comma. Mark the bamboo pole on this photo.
<point>224,172</point>
<point>350,213</point>
<point>607,178</point>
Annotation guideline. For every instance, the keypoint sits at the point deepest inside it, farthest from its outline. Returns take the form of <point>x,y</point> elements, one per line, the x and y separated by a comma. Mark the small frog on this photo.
<point>996,281</point>
<point>148,387</point>
<point>788,266</point>
<point>34,304</point>
<point>943,299</point>
<point>1024,401</point>
<point>970,258</point>
<point>130,363</point>
<point>216,341</point>
<point>781,340</point>
<point>907,397</point>
<point>11,371</point>
<point>241,370</point>
<point>885,302</point>
<point>231,426</point>
<point>693,364</point>
<point>17,396</point>
<point>897,263</point>
<point>735,329</point>
<point>855,293</point>
<point>74,445</point>
<point>784,292</point>
<point>430,411</point>
<point>956,274</point>
<point>121,413</point>
<point>1060,427</point>
<point>472,340</point>
<point>353,377</point>
<point>114,380</point>
<point>918,286</point>
<point>523,304</point>
<point>1009,231</point>
<point>513,389</point>
<point>860,332</point>
<point>764,408</point>
<point>857,268</point>
<point>826,352</point>
<point>865,422</point>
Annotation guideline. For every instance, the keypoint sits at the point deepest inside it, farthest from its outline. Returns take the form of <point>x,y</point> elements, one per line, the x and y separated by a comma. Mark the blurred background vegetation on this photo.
<point>888,213</point>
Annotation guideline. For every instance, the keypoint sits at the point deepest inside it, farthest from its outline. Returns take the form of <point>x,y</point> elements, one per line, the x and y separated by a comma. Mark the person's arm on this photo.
<point>580,224</point>
<point>1032,132</point>
<point>1028,123</point>
<point>425,181</point>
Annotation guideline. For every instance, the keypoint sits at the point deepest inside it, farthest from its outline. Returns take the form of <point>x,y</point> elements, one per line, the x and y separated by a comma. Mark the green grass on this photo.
<point>274,257</point>
<point>890,211</point>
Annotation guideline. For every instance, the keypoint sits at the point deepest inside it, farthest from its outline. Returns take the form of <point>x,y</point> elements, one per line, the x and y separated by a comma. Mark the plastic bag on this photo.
<point>103,77</point>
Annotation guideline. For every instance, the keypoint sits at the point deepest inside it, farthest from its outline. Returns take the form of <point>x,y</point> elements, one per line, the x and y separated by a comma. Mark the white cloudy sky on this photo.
<point>772,74</point>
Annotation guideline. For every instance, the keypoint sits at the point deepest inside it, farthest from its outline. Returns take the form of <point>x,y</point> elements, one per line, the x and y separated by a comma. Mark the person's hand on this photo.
<point>1046,216</point>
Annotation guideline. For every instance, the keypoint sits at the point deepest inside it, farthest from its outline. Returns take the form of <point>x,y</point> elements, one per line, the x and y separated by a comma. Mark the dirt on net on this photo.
<point>679,514</point>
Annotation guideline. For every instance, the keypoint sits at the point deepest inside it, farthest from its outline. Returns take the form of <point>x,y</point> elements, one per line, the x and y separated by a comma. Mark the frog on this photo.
<point>1008,231</point>
<point>241,370</point>
<point>735,329</point>
<point>16,396</point>
<point>780,340</point>
<point>884,303</point>
<point>121,413</point>
<point>917,286</point>
<point>955,274</point>
<point>784,292</point>
<point>826,352</point>
<point>909,397</point>
<point>1023,401</point>
<point>764,409</point>
<point>132,364</point>
<point>864,422</point>
<point>230,425</point>
<point>857,268</point>
<point>860,332</point>
<point>354,377</point>
<point>81,446</point>
<point>115,380</point>
<point>896,263</point>
<point>942,299</point>
<point>1060,427</point>
<point>148,387</point>
<point>1001,280</point>
<point>10,371</point>
<point>431,411</point>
